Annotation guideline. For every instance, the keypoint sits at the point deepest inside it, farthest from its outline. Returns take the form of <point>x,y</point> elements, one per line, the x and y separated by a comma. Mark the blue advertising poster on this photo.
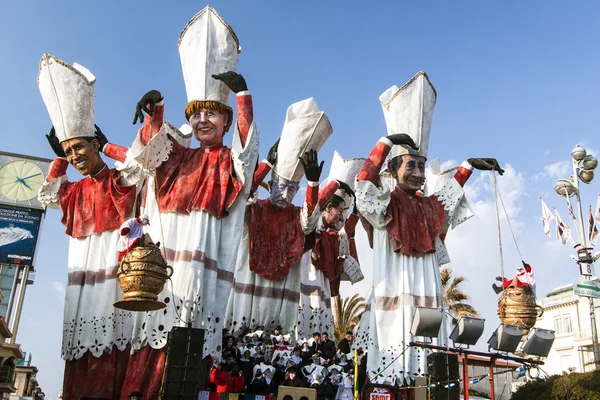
<point>19,231</point>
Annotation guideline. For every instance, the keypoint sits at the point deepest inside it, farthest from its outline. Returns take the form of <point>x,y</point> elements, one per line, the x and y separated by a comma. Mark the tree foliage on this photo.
<point>454,296</point>
<point>346,314</point>
<point>572,386</point>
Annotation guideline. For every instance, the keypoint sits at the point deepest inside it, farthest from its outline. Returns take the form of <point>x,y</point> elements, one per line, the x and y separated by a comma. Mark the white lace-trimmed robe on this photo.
<point>201,248</point>
<point>314,313</point>
<point>90,321</point>
<point>400,281</point>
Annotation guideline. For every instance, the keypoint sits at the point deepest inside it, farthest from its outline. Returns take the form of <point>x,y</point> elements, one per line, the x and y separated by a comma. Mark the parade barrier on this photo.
<point>205,395</point>
<point>296,393</point>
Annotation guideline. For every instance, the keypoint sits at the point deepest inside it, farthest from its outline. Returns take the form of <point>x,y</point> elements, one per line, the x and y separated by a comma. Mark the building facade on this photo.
<point>568,316</point>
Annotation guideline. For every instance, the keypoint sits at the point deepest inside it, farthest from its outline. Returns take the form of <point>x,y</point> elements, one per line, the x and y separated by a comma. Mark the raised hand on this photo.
<point>402,139</point>
<point>486,164</point>
<point>312,168</point>
<point>346,188</point>
<point>234,81</point>
<point>55,144</point>
<point>147,104</point>
<point>272,156</point>
<point>499,279</point>
<point>100,137</point>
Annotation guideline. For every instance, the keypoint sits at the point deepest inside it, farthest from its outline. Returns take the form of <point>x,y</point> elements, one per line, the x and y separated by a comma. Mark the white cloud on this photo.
<point>559,169</point>
<point>59,288</point>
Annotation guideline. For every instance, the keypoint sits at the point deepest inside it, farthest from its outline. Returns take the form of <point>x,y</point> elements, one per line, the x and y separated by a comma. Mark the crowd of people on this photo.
<point>260,363</point>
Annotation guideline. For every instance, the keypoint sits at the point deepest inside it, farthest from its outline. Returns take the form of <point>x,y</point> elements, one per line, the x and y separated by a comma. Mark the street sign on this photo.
<point>586,269</point>
<point>587,288</point>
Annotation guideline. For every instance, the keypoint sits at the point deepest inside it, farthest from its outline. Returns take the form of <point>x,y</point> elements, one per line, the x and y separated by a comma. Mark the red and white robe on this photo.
<point>96,335</point>
<point>196,202</point>
<point>407,253</point>
<point>314,311</point>
<point>266,291</point>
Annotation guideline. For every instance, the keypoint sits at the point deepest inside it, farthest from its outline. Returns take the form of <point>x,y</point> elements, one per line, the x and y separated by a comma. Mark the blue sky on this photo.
<point>515,80</point>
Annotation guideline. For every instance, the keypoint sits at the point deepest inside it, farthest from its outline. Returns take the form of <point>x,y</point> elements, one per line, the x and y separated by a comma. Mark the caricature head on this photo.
<point>282,191</point>
<point>333,214</point>
<point>210,120</point>
<point>409,171</point>
<point>83,153</point>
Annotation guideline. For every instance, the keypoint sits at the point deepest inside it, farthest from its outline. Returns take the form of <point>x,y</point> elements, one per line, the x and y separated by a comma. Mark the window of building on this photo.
<point>562,324</point>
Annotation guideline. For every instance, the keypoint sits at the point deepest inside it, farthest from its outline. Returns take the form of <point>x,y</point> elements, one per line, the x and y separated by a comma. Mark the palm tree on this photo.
<point>454,296</point>
<point>346,314</point>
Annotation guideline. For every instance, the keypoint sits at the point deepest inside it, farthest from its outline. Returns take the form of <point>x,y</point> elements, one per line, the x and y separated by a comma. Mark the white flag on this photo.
<point>597,217</point>
<point>547,217</point>
<point>563,231</point>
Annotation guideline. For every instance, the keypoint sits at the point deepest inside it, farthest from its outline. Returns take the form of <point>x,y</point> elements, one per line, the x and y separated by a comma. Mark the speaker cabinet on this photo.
<point>185,370</point>
<point>443,368</point>
<point>296,393</point>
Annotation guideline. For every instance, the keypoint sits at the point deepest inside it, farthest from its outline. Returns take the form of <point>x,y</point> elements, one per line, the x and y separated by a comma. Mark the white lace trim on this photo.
<point>48,192</point>
<point>243,157</point>
<point>309,223</point>
<point>155,152</point>
<point>455,204</point>
<point>131,171</point>
<point>372,199</point>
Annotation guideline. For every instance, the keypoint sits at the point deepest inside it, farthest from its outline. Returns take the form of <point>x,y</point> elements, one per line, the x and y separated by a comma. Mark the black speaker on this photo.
<point>185,370</point>
<point>443,368</point>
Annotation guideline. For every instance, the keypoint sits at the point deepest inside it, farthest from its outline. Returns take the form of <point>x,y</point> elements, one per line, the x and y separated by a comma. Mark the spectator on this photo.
<point>276,335</point>
<point>316,337</point>
<point>220,378</point>
<point>346,365</point>
<point>297,357</point>
<point>246,364</point>
<point>344,344</point>
<point>9,362</point>
<point>294,378</point>
<point>135,395</point>
<point>236,382</point>
<point>327,348</point>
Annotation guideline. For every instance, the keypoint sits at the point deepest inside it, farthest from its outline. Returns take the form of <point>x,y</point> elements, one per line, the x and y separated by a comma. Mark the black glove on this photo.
<point>499,279</point>
<point>272,156</point>
<point>146,103</point>
<point>346,188</point>
<point>312,169</point>
<point>234,81</point>
<point>485,164</point>
<point>402,139</point>
<point>55,144</point>
<point>100,137</point>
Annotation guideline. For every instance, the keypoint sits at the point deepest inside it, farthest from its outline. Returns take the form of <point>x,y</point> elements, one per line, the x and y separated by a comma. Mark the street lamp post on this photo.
<point>583,169</point>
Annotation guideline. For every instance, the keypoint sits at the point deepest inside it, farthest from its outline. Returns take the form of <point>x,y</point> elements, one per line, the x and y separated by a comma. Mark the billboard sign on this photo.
<point>19,233</point>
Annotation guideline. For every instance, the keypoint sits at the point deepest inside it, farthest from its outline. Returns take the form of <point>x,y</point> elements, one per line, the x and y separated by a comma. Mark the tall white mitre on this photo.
<point>345,171</point>
<point>306,128</point>
<point>207,45</point>
<point>409,110</point>
<point>68,92</point>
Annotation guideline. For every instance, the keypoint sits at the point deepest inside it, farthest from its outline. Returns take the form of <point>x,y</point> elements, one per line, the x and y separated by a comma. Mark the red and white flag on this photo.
<point>592,229</point>
<point>547,217</point>
<point>570,207</point>
<point>563,231</point>
<point>597,217</point>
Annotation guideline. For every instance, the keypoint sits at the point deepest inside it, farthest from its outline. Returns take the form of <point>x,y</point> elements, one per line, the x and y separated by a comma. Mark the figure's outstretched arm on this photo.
<point>483,164</point>
<point>372,167</point>
<point>245,113</point>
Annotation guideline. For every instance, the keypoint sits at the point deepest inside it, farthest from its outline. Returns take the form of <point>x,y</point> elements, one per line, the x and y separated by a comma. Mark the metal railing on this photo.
<point>7,374</point>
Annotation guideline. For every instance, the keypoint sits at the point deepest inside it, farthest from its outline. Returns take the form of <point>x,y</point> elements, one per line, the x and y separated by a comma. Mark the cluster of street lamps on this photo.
<point>584,165</point>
